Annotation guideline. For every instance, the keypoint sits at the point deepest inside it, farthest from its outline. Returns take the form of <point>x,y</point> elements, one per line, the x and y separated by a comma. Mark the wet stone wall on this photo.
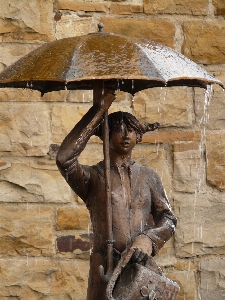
<point>45,231</point>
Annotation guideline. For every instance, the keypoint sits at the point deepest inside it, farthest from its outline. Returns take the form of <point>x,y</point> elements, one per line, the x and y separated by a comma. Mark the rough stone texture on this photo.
<point>160,31</point>
<point>212,115</point>
<point>171,136</point>
<point>220,7</point>
<point>82,6</point>
<point>200,227</point>
<point>26,20</point>
<point>215,151</point>
<point>21,95</point>
<point>64,117</point>
<point>73,218</point>
<point>80,96</point>
<point>72,25</point>
<point>202,42</point>
<point>186,281</point>
<point>48,279</point>
<point>11,53</point>
<point>188,167</point>
<point>169,106</point>
<point>212,279</point>
<point>125,9</point>
<point>24,129</point>
<point>26,230</point>
<point>193,7</point>
<point>24,183</point>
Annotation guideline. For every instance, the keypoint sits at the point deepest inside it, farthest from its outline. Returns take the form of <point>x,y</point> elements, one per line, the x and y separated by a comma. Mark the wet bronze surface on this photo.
<point>74,63</point>
<point>141,217</point>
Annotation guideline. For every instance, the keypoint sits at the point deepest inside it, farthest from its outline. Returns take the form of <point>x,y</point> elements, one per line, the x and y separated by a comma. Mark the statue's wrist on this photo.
<point>155,248</point>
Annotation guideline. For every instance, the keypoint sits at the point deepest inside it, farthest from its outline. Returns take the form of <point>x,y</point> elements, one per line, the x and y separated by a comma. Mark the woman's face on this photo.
<point>122,139</point>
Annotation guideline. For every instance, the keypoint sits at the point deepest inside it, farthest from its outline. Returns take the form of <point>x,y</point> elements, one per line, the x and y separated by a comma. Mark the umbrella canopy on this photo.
<point>74,63</point>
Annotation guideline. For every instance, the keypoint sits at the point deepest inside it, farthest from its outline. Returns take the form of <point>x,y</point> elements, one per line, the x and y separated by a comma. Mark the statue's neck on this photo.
<point>119,160</point>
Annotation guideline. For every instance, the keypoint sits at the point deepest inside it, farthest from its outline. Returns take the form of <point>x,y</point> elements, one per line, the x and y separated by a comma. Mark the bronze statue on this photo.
<point>142,219</point>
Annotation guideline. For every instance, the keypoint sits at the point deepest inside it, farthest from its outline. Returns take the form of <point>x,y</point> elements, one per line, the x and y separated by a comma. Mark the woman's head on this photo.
<point>116,119</point>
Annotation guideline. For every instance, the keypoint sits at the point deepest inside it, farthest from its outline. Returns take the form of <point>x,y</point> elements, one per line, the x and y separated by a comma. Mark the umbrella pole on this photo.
<point>108,194</point>
<point>98,87</point>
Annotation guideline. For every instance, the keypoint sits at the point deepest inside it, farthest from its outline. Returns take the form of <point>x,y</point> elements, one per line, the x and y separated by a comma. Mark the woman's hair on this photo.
<point>119,117</point>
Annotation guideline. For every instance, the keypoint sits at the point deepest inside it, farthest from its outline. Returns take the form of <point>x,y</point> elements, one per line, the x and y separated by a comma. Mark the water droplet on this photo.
<point>118,85</point>
<point>165,95</point>
<point>132,102</point>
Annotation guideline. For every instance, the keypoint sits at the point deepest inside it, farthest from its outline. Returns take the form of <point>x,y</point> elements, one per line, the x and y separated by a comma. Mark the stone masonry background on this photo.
<point>45,231</point>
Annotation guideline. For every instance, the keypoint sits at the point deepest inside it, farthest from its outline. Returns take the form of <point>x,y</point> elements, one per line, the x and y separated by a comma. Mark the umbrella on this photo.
<point>74,63</point>
<point>85,62</point>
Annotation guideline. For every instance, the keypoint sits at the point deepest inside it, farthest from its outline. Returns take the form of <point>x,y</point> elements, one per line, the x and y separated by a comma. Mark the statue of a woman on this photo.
<point>141,214</point>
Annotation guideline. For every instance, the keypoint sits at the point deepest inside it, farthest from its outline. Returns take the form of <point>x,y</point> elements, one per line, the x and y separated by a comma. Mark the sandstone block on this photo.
<point>26,20</point>
<point>186,282</point>
<point>160,31</point>
<point>24,128</point>
<point>80,96</point>
<point>212,279</point>
<point>24,183</point>
<point>220,7</point>
<point>204,42</point>
<point>125,9</point>
<point>168,106</point>
<point>92,154</point>
<point>26,230</point>
<point>193,7</point>
<point>211,116</point>
<point>27,95</point>
<point>70,218</point>
<point>166,256</point>
<point>43,278</point>
<point>200,228</point>
<point>82,6</point>
<point>171,136</point>
<point>215,152</point>
<point>11,52</point>
<point>65,116</point>
<point>72,25</point>
<point>188,167</point>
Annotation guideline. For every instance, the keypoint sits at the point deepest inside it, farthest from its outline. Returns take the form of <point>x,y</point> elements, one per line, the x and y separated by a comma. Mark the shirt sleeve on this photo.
<point>164,219</point>
<point>77,175</point>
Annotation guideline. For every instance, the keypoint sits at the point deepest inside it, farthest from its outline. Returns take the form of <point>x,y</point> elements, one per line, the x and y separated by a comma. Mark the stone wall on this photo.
<point>45,231</point>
